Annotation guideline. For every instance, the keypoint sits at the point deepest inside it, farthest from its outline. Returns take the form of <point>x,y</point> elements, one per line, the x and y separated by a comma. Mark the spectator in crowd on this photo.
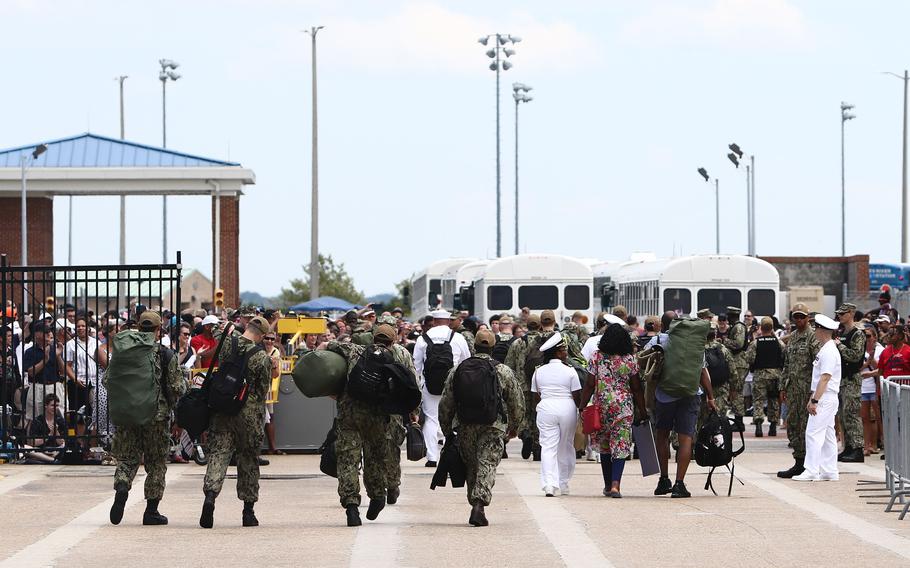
<point>869,410</point>
<point>9,372</point>
<point>557,391</point>
<point>883,325</point>
<point>269,345</point>
<point>613,381</point>
<point>83,360</point>
<point>42,362</point>
<point>494,324</point>
<point>885,308</point>
<point>46,430</point>
<point>186,355</point>
<point>205,343</point>
<point>523,315</point>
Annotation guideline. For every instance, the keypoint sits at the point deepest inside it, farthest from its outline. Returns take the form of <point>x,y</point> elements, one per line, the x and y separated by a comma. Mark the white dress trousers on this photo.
<point>430,406</point>
<point>821,441</point>
<point>557,419</point>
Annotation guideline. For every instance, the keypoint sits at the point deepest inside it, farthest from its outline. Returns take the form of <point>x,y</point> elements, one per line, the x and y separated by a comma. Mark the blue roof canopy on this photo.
<point>94,151</point>
<point>324,304</point>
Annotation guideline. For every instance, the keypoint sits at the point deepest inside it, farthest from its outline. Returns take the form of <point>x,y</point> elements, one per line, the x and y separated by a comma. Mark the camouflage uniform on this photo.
<point>149,443</point>
<point>240,435</point>
<point>736,343</point>
<point>574,348</point>
<point>396,431</point>
<point>362,429</point>
<point>481,445</point>
<point>851,351</point>
<point>515,360</point>
<point>722,392</point>
<point>362,334</point>
<point>801,349</point>
<point>468,337</point>
<point>765,388</point>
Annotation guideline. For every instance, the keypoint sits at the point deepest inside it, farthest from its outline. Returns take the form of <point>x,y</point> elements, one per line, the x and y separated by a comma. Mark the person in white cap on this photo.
<point>557,390</point>
<point>205,343</point>
<point>436,352</point>
<point>821,442</point>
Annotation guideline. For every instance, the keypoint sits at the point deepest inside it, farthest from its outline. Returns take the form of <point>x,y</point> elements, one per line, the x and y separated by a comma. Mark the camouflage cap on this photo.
<point>485,338</point>
<point>844,308</point>
<point>247,311</point>
<point>705,313</point>
<point>800,309</point>
<point>384,331</point>
<point>547,317</point>
<point>259,324</point>
<point>387,320</point>
<point>149,320</point>
<point>533,321</point>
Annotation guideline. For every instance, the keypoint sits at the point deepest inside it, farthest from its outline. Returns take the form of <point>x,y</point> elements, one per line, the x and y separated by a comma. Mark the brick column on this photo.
<point>40,230</point>
<point>229,263</point>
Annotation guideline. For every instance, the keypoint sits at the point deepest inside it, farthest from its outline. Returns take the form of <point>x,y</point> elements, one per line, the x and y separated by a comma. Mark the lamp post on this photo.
<point>735,156</point>
<point>906,78</point>
<point>844,117</point>
<point>704,173</point>
<point>167,72</point>
<point>314,208</point>
<point>499,41</point>
<point>121,79</point>
<point>25,161</point>
<point>519,93</point>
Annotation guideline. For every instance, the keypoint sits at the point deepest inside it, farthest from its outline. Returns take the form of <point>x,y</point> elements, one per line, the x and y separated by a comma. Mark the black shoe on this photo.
<point>249,517</point>
<point>853,455</point>
<point>536,452</point>
<point>429,464</point>
<point>263,461</point>
<point>392,495</point>
<point>663,486</point>
<point>579,454</point>
<point>353,516</point>
<point>758,432</point>
<point>376,505</point>
<point>772,429</point>
<point>526,443</point>
<point>679,490</point>
<point>119,503</point>
<point>505,454</point>
<point>207,518</point>
<point>796,469</point>
<point>478,518</point>
<point>738,424</point>
<point>151,515</point>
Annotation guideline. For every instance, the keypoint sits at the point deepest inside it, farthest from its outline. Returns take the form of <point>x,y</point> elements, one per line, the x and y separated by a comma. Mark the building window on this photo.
<point>499,298</point>
<point>578,297</point>
<point>678,300</point>
<point>538,297</point>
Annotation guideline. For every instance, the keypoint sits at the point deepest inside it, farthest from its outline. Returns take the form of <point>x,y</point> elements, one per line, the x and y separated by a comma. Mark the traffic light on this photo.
<point>50,305</point>
<point>219,298</point>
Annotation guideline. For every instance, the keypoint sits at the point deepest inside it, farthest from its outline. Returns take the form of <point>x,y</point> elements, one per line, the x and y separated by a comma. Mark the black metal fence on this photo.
<point>56,325</point>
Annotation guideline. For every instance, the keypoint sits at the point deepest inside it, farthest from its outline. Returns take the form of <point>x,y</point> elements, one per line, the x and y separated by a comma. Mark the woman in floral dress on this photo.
<point>613,382</point>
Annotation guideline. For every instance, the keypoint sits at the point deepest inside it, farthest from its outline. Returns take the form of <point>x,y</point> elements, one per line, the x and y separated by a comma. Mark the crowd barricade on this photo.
<point>895,393</point>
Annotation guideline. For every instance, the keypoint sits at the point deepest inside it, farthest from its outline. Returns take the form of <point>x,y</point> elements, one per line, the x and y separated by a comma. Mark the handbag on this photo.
<point>590,416</point>
<point>328,461</point>
<point>416,448</point>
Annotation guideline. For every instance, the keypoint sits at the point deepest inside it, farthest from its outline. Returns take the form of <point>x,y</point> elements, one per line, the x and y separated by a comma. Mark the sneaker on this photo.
<point>828,477</point>
<point>549,491</point>
<point>430,464</point>
<point>805,476</point>
<point>606,491</point>
<point>564,490</point>
<point>680,491</point>
<point>663,486</point>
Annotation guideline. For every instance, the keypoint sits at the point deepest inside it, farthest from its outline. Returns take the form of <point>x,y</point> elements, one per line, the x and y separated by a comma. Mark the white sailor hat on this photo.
<point>610,318</point>
<point>556,340</point>
<point>823,321</point>
<point>440,314</point>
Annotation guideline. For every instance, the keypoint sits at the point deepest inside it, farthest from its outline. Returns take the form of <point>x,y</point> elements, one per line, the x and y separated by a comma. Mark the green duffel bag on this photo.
<point>320,373</point>
<point>131,380</point>
<point>684,357</point>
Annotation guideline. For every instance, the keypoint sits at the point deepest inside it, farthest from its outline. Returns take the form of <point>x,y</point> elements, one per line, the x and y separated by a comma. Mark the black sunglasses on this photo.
<point>268,339</point>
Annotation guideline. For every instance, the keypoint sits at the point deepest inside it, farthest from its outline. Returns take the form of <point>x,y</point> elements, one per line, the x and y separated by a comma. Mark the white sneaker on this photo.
<point>549,491</point>
<point>805,476</point>
<point>564,490</point>
<point>829,477</point>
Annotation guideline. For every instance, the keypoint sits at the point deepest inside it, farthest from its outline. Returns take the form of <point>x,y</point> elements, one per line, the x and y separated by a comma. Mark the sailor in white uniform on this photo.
<point>590,346</point>
<point>821,442</point>
<point>556,388</point>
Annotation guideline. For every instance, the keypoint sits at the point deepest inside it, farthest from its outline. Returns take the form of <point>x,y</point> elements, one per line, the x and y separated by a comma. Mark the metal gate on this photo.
<point>57,321</point>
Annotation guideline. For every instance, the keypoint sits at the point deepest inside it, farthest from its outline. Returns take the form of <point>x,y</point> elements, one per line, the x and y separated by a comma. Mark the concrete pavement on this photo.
<point>57,516</point>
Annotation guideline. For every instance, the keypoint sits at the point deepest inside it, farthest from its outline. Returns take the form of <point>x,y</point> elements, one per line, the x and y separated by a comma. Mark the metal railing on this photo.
<point>56,324</point>
<point>896,422</point>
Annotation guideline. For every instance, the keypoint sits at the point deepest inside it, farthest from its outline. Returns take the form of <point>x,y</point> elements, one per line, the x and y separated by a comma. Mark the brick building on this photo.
<point>93,165</point>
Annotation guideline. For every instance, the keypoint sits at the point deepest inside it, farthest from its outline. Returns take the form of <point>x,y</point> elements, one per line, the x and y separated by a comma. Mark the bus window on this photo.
<point>499,298</point>
<point>761,302</point>
<point>435,295</point>
<point>717,299</point>
<point>578,297</point>
<point>538,297</point>
<point>677,299</point>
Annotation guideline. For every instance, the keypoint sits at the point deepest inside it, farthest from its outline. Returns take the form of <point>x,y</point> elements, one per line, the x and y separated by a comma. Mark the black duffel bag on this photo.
<point>192,412</point>
<point>416,448</point>
<point>328,461</point>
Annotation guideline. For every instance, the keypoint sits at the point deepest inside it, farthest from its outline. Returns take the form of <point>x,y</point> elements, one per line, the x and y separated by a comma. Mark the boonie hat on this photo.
<point>821,320</point>
<point>485,338</point>
<point>259,324</point>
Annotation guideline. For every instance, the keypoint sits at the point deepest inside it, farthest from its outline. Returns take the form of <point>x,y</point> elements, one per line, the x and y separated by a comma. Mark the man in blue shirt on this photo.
<point>42,363</point>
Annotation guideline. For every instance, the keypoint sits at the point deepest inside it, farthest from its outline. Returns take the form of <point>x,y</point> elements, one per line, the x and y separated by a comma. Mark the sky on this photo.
<point>630,98</point>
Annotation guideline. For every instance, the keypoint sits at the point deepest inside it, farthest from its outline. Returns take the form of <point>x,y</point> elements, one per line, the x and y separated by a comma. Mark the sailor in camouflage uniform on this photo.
<point>481,445</point>
<point>456,324</point>
<point>396,430</point>
<point>239,435</point>
<point>721,391</point>
<point>515,360</point>
<point>852,347</point>
<point>799,356</point>
<point>149,443</point>
<point>736,343</point>
<point>765,356</point>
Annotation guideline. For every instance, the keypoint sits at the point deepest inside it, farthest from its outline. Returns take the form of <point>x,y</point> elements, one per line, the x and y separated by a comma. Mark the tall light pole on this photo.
<point>121,79</point>
<point>519,93</point>
<point>25,161</point>
<point>499,41</point>
<point>844,117</point>
<point>167,72</point>
<point>906,78</point>
<point>704,173</point>
<point>735,156</point>
<point>314,207</point>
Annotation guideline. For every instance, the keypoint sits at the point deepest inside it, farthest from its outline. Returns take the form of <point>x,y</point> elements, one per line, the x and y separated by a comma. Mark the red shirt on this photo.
<point>893,362</point>
<point>202,342</point>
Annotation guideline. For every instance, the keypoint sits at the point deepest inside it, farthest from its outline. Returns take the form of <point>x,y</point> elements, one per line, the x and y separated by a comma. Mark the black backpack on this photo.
<point>437,364</point>
<point>714,447</point>
<point>717,366</point>
<point>370,378</point>
<point>534,357</point>
<point>501,349</point>
<point>477,392</point>
<point>229,388</point>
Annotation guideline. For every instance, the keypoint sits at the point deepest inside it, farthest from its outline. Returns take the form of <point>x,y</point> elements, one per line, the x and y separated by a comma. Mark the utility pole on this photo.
<point>844,117</point>
<point>314,222</point>
<point>716,216</point>
<point>519,93</point>
<point>122,78</point>
<point>167,72</point>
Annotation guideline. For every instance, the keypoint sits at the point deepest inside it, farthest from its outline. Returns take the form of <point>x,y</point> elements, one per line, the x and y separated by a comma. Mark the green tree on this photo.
<point>334,280</point>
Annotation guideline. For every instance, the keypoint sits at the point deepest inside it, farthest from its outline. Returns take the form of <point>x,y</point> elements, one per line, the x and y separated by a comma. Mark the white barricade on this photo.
<point>896,423</point>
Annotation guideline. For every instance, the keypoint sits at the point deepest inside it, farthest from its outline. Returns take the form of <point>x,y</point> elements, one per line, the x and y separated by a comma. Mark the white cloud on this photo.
<point>735,24</point>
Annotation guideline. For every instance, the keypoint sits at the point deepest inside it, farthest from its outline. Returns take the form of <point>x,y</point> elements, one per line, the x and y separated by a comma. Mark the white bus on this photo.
<point>691,283</point>
<point>426,286</point>
<point>536,281</point>
<point>458,285</point>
